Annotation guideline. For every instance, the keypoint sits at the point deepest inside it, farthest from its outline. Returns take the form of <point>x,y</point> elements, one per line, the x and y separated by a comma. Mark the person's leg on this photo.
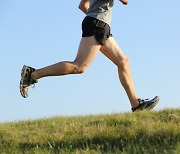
<point>87,51</point>
<point>111,50</point>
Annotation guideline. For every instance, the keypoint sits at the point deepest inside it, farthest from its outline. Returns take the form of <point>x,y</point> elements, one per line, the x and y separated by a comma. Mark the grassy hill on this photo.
<point>142,132</point>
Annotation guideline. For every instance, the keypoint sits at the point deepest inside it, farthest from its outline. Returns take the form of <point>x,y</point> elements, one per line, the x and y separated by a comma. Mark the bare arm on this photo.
<point>125,2</point>
<point>84,5</point>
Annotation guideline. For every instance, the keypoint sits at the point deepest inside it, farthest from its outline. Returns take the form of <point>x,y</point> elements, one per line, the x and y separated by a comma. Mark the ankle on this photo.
<point>135,103</point>
<point>34,75</point>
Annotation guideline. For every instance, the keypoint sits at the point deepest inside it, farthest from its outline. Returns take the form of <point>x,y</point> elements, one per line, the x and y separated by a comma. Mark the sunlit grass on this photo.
<point>141,132</point>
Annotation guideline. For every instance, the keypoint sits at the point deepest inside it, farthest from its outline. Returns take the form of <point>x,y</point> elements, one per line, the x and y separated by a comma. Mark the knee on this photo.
<point>123,63</point>
<point>79,69</point>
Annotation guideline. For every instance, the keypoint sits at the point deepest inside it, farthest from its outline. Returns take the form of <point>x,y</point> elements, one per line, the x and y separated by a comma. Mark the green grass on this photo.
<point>141,132</point>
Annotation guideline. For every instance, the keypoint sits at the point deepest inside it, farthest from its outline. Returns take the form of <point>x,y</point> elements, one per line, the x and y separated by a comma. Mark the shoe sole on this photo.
<point>23,73</point>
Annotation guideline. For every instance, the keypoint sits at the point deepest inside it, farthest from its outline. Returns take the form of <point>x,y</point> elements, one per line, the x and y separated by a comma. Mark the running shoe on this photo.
<point>26,80</point>
<point>146,104</point>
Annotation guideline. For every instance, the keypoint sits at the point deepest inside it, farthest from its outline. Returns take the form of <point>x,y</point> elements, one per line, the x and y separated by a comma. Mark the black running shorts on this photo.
<point>100,30</point>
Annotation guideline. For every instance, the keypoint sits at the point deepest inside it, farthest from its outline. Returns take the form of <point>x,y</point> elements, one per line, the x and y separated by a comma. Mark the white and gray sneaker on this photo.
<point>146,104</point>
<point>26,80</point>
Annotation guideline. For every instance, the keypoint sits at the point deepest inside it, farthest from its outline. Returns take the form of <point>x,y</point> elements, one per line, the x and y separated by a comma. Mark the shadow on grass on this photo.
<point>139,144</point>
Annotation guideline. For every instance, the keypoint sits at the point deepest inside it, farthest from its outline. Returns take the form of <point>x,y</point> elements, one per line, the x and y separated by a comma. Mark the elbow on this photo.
<point>80,7</point>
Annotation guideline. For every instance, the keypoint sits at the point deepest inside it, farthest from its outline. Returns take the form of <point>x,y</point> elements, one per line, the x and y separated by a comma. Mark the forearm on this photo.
<point>84,6</point>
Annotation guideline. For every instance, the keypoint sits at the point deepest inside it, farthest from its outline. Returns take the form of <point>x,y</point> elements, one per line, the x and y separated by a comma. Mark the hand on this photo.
<point>125,2</point>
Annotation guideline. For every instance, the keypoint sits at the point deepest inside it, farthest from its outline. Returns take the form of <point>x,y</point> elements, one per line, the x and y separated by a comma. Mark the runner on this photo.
<point>96,36</point>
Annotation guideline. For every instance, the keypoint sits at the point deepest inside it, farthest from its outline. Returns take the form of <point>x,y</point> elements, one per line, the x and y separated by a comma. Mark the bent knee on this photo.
<point>79,69</point>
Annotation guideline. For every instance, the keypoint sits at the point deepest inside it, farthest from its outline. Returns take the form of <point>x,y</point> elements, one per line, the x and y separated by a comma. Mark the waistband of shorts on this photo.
<point>98,22</point>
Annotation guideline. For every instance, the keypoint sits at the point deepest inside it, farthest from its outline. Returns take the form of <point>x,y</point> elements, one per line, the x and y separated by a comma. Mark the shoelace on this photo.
<point>143,100</point>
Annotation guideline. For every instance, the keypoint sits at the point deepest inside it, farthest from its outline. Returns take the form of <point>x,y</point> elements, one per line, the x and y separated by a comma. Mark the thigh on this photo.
<point>87,51</point>
<point>111,50</point>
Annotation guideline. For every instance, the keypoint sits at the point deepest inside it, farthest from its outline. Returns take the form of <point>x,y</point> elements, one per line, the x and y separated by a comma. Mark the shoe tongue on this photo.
<point>140,100</point>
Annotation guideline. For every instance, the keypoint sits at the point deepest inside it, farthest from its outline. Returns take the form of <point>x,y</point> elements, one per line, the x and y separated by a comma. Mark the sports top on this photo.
<point>101,10</point>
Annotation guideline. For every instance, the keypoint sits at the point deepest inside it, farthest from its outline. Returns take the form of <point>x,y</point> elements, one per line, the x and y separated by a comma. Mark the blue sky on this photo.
<point>43,32</point>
